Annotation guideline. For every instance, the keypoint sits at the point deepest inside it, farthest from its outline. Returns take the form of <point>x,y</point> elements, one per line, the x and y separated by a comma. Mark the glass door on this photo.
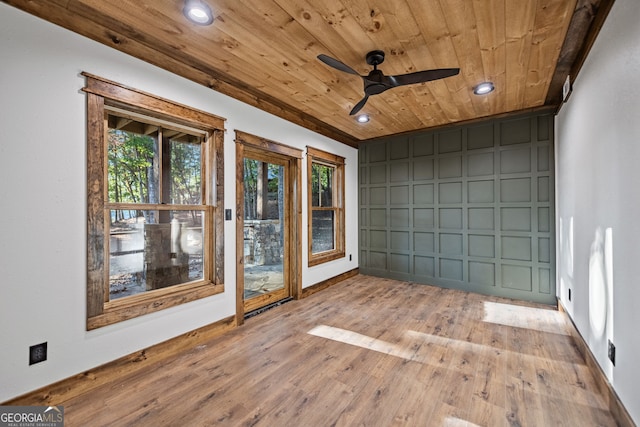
<point>265,230</point>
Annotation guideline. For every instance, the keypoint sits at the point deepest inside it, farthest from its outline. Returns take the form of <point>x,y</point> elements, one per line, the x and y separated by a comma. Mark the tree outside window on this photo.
<point>154,235</point>
<point>326,206</point>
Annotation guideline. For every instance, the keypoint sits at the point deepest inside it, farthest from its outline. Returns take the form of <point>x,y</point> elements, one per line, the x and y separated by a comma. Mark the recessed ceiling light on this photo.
<point>198,12</point>
<point>362,118</point>
<point>483,88</point>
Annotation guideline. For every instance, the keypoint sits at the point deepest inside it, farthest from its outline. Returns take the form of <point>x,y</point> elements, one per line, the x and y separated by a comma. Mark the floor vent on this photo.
<point>266,307</point>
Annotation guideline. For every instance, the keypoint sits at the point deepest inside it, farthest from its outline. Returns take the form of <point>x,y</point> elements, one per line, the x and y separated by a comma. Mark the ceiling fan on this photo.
<point>376,82</point>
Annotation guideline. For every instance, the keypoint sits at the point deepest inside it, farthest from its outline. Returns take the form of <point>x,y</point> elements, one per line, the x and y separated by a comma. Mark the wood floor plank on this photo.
<point>371,352</point>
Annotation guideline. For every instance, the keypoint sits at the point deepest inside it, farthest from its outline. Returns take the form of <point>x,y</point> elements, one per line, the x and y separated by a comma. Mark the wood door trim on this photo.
<point>251,144</point>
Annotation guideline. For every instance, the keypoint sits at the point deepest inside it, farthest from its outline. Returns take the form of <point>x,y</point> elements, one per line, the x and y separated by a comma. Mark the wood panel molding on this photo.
<point>605,388</point>
<point>76,385</point>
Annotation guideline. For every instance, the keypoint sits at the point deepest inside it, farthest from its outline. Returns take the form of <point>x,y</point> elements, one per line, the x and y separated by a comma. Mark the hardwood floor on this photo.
<point>367,352</point>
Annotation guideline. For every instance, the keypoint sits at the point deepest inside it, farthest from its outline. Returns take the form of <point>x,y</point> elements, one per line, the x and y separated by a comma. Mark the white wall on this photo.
<point>43,199</point>
<point>598,200</point>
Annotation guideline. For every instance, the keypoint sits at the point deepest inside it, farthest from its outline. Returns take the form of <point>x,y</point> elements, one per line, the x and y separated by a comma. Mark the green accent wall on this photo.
<point>469,207</point>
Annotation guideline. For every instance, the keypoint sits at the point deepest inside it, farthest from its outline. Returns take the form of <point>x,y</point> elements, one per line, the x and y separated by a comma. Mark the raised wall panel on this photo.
<point>378,239</point>
<point>423,241</point>
<point>450,192</point>
<point>451,269</point>
<point>378,196</point>
<point>516,277</point>
<point>377,152</point>
<point>481,245</point>
<point>544,249</point>
<point>378,260</point>
<point>516,248</point>
<point>515,160</point>
<point>544,220</point>
<point>451,244</point>
<point>480,164</point>
<point>378,174</point>
<point>515,190</point>
<point>544,275</point>
<point>468,207</point>
<point>378,217</point>
<point>481,218</point>
<point>399,217</point>
<point>399,172</point>
<point>450,142</point>
<point>399,149</point>
<point>423,169</point>
<point>422,145</point>
<point>450,167</point>
<point>400,240</point>
<point>543,159</point>
<point>424,266</point>
<point>399,263</point>
<point>483,273</point>
<point>451,218</point>
<point>543,188</point>
<point>423,218</point>
<point>515,131</point>
<point>515,219</point>
<point>423,194</point>
<point>399,195</point>
<point>480,191</point>
<point>480,137</point>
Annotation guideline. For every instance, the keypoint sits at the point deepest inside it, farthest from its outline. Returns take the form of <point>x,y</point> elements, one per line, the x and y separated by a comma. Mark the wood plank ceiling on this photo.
<point>263,52</point>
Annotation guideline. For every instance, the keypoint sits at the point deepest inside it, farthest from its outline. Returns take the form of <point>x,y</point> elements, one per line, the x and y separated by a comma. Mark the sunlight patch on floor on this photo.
<point>359,340</point>
<point>457,422</point>
<point>538,319</point>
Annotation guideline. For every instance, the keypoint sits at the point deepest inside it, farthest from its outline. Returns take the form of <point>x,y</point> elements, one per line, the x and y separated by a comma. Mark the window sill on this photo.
<point>150,302</point>
<point>325,257</point>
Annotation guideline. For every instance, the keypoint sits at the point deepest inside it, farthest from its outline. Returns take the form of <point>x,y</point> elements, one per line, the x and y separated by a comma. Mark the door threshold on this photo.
<point>266,307</point>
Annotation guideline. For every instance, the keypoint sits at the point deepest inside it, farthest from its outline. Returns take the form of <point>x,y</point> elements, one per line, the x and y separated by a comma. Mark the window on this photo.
<point>154,234</point>
<point>326,206</point>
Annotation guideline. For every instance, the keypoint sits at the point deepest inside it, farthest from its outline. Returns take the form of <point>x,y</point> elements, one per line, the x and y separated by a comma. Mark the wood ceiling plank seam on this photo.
<point>176,48</point>
<point>462,24</point>
<point>257,27</point>
<point>406,30</point>
<point>397,61</point>
<point>519,33</point>
<point>491,37</point>
<point>550,28</point>
<point>377,37</point>
<point>421,58</point>
<point>197,72</point>
<point>425,105</point>
<point>260,51</point>
<point>314,23</point>
<point>399,111</point>
<point>432,24</point>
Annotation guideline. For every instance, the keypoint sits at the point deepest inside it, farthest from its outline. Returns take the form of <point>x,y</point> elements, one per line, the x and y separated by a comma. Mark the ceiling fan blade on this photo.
<point>337,64</point>
<point>422,76</point>
<point>359,105</point>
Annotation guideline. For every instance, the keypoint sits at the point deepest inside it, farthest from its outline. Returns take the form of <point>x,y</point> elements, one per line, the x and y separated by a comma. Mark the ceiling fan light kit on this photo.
<point>376,82</point>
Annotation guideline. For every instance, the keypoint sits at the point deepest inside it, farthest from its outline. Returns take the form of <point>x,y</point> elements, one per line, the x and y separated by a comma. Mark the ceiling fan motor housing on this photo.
<point>375,57</point>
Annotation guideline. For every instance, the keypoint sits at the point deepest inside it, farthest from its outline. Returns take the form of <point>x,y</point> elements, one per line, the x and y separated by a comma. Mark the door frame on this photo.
<point>247,144</point>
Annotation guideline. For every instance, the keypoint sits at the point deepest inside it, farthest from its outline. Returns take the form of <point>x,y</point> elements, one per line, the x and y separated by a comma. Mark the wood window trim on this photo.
<point>323,157</point>
<point>101,93</point>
